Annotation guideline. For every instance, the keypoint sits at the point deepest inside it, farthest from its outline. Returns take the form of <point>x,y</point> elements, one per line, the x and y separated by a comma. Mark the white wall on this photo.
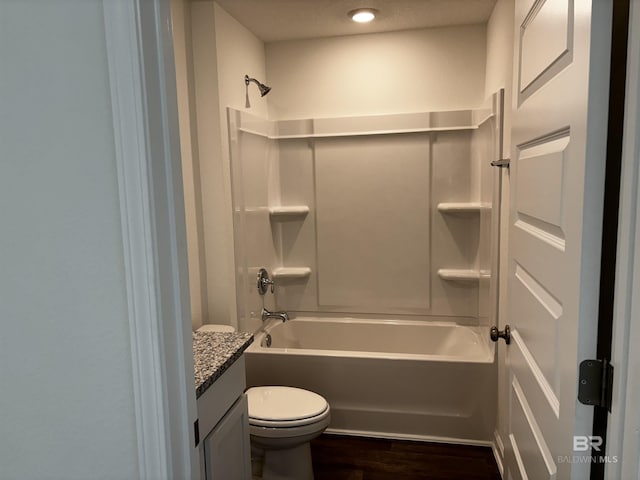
<point>183,54</point>
<point>223,52</point>
<point>239,52</point>
<point>66,407</point>
<point>397,72</point>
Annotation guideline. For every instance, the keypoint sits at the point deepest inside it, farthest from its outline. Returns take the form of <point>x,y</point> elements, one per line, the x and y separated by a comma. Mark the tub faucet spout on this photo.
<point>266,314</point>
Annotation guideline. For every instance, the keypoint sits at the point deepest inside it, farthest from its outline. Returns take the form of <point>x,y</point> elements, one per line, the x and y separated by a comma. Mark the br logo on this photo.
<point>582,443</point>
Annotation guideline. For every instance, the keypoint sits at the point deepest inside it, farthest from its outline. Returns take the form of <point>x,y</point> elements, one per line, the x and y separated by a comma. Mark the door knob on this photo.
<point>495,334</point>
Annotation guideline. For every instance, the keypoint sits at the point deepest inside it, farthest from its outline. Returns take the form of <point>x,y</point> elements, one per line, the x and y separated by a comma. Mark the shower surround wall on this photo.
<point>393,72</point>
<point>422,70</point>
<point>255,186</point>
<point>319,201</point>
<point>376,216</point>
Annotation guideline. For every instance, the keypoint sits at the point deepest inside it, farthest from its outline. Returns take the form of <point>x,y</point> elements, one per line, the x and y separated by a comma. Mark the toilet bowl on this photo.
<point>282,422</point>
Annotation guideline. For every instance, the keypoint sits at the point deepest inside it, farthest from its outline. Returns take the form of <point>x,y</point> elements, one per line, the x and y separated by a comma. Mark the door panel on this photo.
<point>538,322</point>
<point>541,170</point>
<point>536,242</point>
<point>539,392</point>
<point>557,180</point>
<point>515,470</point>
<point>534,451</point>
<point>546,43</point>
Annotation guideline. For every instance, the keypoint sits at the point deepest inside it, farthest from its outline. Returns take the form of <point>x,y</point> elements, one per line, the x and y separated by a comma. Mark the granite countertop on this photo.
<point>215,352</point>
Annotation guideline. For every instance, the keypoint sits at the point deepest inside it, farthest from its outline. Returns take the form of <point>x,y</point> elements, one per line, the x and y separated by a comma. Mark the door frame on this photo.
<point>145,120</point>
<point>624,422</point>
<point>612,217</point>
<point>149,174</point>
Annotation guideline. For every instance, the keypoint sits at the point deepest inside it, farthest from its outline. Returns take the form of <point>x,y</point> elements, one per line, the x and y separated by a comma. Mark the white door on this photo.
<point>559,110</point>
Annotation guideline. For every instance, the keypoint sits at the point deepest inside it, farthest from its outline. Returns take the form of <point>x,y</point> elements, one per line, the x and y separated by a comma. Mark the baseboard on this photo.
<point>415,438</point>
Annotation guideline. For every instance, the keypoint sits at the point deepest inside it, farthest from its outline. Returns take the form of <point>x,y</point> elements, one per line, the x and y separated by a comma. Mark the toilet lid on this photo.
<point>209,327</point>
<point>284,403</point>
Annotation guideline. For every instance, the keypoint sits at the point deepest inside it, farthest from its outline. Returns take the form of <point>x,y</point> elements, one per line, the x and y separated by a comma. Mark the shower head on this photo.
<point>263,89</point>
<point>261,86</point>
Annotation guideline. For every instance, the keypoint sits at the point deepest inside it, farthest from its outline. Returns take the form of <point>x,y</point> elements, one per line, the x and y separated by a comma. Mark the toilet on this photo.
<point>212,327</point>
<point>282,422</point>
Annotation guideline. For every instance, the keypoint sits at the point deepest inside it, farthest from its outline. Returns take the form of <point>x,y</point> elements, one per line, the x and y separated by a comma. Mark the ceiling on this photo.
<point>277,20</point>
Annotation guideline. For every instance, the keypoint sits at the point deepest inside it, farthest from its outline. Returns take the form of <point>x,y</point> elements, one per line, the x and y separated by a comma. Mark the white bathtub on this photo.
<point>399,379</point>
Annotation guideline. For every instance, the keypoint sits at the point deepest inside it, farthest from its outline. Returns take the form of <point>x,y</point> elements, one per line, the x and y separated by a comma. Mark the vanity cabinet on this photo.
<point>227,446</point>
<point>223,423</point>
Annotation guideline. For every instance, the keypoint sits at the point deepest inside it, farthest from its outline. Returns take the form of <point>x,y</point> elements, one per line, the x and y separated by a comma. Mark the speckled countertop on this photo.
<point>215,352</point>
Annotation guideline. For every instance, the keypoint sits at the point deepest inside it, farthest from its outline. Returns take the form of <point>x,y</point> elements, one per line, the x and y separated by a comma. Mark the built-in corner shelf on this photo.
<point>291,273</point>
<point>462,207</point>
<point>279,213</point>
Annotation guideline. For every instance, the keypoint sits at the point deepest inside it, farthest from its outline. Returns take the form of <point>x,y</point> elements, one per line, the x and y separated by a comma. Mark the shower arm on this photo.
<point>261,86</point>
<point>248,79</point>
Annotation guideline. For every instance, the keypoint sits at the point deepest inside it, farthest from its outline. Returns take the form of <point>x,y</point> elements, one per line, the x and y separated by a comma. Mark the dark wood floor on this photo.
<point>355,458</point>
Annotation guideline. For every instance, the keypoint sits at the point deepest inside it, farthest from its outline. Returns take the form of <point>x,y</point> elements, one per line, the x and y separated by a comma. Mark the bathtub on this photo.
<point>385,378</point>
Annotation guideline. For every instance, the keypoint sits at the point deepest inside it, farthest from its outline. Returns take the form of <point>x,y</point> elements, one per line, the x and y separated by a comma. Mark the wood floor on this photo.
<point>354,458</point>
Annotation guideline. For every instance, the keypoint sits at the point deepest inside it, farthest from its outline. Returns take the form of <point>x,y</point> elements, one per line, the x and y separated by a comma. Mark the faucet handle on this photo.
<point>264,281</point>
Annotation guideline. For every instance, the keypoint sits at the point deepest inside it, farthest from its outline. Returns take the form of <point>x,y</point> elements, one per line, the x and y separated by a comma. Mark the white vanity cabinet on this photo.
<point>223,424</point>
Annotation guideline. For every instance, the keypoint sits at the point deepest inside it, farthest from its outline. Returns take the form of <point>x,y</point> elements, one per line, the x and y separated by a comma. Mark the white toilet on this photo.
<point>282,422</point>
<point>212,327</point>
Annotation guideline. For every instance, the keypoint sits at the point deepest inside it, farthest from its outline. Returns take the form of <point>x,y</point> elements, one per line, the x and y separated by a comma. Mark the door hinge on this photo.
<point>502,163</point>
<point>595,383</point>
<point>196,432</point>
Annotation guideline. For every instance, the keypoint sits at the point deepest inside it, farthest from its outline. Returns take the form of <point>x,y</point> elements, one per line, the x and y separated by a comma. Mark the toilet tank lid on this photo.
<point>209,327</point>
<point>284,403</point>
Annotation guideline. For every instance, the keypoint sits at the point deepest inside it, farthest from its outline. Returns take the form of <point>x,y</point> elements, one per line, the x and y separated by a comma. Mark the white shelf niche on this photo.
<point>291,211</point>
<point>291,273</point>
<point>463,207</point>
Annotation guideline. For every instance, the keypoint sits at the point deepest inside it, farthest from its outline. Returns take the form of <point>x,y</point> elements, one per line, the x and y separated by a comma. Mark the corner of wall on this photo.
<point>183,56</point>
<point>216,203</point>
<point>223,52</point>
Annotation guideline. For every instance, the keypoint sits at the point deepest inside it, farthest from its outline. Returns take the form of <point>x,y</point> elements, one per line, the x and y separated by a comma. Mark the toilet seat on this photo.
<point>285,407</point>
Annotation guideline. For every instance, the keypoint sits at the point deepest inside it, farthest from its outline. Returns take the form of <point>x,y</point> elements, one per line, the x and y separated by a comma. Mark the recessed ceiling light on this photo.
<point>363,15</point>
